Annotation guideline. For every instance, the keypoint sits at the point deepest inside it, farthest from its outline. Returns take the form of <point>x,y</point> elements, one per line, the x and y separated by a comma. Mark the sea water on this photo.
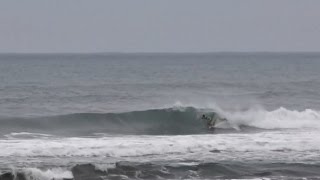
<point>60,110</point>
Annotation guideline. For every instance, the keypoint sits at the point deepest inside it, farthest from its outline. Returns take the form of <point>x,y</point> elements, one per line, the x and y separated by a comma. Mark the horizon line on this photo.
<point>157,52</point>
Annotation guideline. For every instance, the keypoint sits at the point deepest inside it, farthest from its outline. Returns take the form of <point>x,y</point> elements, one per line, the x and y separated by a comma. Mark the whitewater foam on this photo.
<point>26,135</point>
<point>262,143</point>
<point>49,174</point>
<point>276,119</point>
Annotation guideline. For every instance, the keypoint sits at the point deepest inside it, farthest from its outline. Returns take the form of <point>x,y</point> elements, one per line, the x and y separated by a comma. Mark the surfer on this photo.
<point>210,121</point>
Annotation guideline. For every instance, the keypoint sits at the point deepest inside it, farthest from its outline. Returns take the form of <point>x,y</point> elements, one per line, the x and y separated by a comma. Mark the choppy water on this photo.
<point>59,110</point>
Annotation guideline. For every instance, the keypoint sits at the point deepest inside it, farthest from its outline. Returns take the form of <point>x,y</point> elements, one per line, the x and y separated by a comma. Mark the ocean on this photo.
<point>138,116</point>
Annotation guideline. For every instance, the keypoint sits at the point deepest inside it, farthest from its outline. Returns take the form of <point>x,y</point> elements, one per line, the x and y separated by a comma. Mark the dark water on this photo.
<point>59,110</point>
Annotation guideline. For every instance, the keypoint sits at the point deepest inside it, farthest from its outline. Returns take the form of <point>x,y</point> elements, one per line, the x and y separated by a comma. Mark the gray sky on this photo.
<point>159,25</point>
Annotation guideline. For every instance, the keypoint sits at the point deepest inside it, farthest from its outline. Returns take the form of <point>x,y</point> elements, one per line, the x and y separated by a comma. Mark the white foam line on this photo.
<point>260,143</point>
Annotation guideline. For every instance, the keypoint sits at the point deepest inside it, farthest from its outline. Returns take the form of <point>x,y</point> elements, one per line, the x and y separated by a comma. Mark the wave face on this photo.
<point>151,122</point>
<point>170,121</point>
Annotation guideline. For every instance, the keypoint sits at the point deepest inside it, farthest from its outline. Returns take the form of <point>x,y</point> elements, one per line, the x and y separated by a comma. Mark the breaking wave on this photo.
<point>280,118</point>
<point>36,173</point>
<point>135,170</point>
<point>152,122</point>
<point>169,121</point>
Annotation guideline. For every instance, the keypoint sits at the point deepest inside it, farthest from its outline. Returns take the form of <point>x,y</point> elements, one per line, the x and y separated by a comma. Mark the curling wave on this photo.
<point>151,122</point>
<point>170,121</point>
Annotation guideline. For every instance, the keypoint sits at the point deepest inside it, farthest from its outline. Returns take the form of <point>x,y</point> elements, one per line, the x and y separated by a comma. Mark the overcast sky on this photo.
<point>159,25</point>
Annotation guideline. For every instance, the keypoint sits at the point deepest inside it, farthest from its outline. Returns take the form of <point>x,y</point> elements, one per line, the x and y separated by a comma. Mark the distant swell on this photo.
<point>171,121</point>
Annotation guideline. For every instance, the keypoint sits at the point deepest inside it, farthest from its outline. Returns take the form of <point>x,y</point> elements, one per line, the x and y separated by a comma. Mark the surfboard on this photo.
<point>213,120</point>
